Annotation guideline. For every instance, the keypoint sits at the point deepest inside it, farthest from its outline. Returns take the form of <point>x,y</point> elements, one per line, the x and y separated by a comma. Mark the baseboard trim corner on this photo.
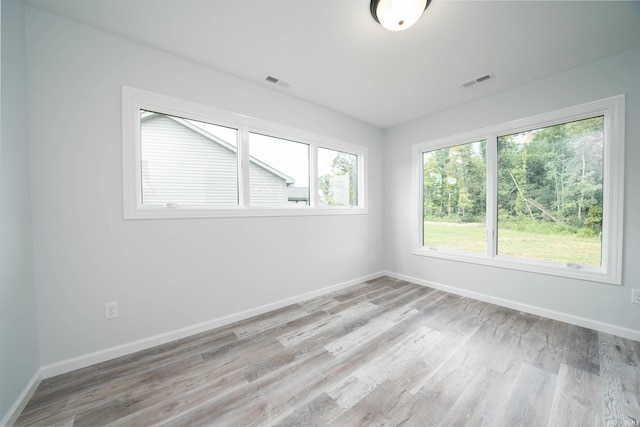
<point>83,361</point>
<point>18,406</point>
<point>539,311</point>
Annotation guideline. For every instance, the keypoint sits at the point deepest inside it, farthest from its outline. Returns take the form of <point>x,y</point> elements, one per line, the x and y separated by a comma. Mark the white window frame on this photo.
<point>610,272</point>
<point>134,100</point>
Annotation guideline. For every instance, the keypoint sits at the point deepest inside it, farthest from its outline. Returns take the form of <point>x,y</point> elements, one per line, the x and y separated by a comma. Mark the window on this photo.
<point>279,171</point>
<point>543,194</point>
<point>338,178</point>
<point>185,163</point>
<point>550,192</point>
<point>454,195</point>
<point>185,160</point>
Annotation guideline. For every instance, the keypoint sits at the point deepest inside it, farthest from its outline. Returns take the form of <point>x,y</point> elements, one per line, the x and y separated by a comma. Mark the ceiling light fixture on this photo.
<point>398,15</point>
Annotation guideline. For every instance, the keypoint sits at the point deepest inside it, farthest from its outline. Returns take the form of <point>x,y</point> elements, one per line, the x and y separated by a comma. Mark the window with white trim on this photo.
<point>186,160</point>
<point>337,178</point>
<point>542,194</point>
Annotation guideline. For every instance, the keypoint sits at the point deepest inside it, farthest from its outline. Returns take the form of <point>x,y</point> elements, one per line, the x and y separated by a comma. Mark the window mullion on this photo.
<point>492,195</point>
<point>313,175</point>
<point>243,166</point>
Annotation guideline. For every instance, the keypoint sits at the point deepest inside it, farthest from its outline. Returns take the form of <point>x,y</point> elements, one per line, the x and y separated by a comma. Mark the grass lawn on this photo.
<point>556,247</point>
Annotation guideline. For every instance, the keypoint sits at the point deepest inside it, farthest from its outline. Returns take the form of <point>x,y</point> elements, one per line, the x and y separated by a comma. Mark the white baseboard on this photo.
<point>69,365</point>
<point>122,350</point>
<point>539,311</point>
<point>16,409</point>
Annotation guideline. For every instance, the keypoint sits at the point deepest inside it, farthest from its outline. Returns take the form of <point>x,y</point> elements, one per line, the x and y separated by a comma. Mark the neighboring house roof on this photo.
<point>186,123</point>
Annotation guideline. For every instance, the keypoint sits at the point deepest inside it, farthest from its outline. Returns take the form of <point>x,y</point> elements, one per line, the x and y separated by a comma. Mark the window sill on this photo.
<point>550,268</point>
<point>239,212</point>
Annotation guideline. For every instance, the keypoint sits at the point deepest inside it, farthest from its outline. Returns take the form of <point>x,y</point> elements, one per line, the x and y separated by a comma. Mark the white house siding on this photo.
<point>184,167</point>
<point>266,188</point>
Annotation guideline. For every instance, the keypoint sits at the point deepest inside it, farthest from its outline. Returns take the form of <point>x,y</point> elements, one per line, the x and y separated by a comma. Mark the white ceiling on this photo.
<point>332,53</point>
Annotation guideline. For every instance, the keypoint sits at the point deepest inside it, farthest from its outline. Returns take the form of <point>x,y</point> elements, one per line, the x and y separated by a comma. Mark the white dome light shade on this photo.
<point>397,15</point>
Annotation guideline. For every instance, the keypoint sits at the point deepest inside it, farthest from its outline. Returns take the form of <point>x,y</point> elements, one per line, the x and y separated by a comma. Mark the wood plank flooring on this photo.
<point>382,353</point>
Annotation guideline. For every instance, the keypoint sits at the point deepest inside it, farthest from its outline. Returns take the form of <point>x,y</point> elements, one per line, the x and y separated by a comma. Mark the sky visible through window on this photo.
<point>281,157</point>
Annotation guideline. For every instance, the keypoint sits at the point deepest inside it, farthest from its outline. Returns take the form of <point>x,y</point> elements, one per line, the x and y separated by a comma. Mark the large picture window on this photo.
<point>542,194</point>
<point>185,160</point>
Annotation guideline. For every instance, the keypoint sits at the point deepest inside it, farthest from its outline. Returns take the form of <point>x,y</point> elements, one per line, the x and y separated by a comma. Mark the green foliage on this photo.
<point>325,186</point>
<point>525,224</point>
<point>455,183</point>
<point>549,187</point>
<point>340,187</point>
<point>594,220</point>
<point>553,175</point>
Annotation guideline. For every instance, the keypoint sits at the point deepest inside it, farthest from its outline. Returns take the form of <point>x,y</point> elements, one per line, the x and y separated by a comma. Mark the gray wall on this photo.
<point>165,274</point>
<point>172,274</point>
<point>598,303</point>
<point>19,354</point>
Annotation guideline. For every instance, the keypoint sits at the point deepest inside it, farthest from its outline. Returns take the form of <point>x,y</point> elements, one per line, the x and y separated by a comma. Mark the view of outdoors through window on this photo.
<point>549,201</point>
<point>550,185</point>
<point>279,171</point>
<point>187,163</point>
<point>337,178</point>
<point>454,208</point>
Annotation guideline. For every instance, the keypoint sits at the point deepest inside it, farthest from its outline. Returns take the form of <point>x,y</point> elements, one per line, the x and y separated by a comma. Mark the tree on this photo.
<point>552,174</point>
<point>340,186</point>
<point>455,183</point>
<point>325,185</point>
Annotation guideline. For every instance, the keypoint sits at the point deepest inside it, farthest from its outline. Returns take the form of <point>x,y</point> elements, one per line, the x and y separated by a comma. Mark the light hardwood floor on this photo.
<point>382,353</point>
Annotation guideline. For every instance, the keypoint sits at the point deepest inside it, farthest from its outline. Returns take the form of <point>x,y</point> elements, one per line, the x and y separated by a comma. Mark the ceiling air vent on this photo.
<point>276,81</point>
<point>479,80</point>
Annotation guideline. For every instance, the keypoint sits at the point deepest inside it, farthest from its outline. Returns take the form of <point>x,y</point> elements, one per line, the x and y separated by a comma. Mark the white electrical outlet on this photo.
<point>111,310</point>
<point>635,296</point>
